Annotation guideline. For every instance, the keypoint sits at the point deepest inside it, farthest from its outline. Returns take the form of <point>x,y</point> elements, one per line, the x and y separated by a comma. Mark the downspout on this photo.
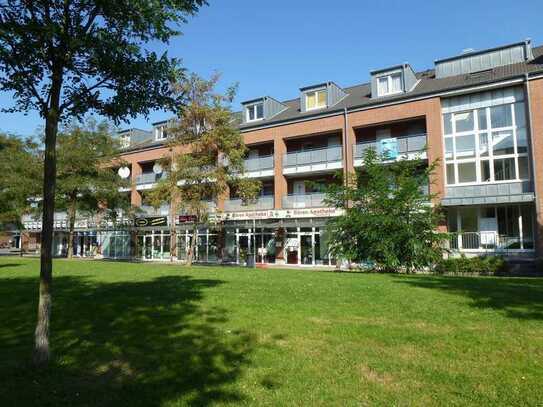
<point>530,151</point>
<point>345,146</point>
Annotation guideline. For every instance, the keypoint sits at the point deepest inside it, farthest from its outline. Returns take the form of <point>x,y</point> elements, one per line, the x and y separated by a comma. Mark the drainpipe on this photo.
<point>345,146</point>
<point>530,151</point>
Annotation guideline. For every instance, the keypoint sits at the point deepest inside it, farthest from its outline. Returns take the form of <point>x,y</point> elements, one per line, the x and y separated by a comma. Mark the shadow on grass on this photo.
<point>9,265</point>
<point>520,298</point>
<point>130,343</point>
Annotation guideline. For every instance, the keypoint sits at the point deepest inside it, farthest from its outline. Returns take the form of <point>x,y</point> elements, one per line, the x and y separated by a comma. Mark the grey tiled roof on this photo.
<point>360,95</point>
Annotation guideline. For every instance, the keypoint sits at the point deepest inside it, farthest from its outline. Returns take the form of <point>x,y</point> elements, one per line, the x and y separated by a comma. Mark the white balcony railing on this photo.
<point>488,242</point>
<point>407,145</point>
<point>315,156</point>
<point>303,201</point>
<point>163,210</point>
<point>237,205</point>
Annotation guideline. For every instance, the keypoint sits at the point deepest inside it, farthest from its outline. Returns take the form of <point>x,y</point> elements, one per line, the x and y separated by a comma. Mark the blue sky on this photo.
<point>274,48</point>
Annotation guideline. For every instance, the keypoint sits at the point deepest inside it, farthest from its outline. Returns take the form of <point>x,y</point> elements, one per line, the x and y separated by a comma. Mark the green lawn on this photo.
<point>163,335</point>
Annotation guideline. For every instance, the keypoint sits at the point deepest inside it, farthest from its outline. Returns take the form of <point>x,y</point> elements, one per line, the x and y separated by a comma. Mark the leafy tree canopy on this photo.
<point>389,220</point>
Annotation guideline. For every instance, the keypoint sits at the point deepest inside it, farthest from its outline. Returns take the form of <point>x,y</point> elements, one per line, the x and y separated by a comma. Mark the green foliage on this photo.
<point>479,265</point>
<point>207,152</point>
<point>86,181</point>
<point>92,52</point>
<point>388,219</point>
<point>20,177</point>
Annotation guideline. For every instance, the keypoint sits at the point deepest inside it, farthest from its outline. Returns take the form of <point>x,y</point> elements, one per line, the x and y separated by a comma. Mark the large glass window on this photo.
<point>390,84</point>
<point>255,112</point>
<point>486,145</point>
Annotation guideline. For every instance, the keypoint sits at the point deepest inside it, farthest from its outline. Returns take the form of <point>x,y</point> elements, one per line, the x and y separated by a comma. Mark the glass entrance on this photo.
<point>306,248</point>
<point>155,245</point>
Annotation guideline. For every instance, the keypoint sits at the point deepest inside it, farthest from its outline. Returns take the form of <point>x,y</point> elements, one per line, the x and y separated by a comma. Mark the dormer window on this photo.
<point>254,112</point>
<point>316,99</point>
<point>160,133</point>
<point>389,84</point>
<point>125,141</point>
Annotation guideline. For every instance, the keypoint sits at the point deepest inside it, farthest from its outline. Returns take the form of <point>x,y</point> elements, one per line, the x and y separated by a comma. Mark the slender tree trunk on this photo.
<point>71,220</point>
<point>192,244</point>
<point>173,232</point>
<point>41,336</point>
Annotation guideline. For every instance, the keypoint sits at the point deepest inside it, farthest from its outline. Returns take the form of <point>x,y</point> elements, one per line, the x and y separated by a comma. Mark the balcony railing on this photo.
<point>406,145</point>
<point>236,205</point>
<point>315,156</point>
<point>303,200</point>
<point>163,210</point>
<point>259,163</point>
<point>149,178</point>
<point>487,242</point>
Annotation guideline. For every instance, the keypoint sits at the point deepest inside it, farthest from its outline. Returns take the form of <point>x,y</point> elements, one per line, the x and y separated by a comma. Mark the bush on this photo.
<point>486,265</point>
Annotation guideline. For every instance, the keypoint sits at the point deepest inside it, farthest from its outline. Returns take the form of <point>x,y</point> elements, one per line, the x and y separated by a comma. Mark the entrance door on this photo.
<point>243,248</point>
<point>147,246</point>
<point>306,248</point>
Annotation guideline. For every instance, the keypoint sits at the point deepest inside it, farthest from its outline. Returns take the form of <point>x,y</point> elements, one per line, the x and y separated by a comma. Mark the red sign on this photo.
<point>187,218</point>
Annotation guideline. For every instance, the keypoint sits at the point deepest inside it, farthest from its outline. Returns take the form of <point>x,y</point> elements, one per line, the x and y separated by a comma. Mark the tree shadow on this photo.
<point>9,265</point>
<point>520,298</point>
<point>126,343</point>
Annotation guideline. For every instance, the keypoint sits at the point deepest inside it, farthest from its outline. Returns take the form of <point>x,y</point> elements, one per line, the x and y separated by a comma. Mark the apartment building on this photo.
<point>480,114</point>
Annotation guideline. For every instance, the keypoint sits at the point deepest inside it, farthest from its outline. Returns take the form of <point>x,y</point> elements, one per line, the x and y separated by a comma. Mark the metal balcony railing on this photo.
<point>236,205</point>
<point>163,210</point>
<point>406,145</point>
<point>313,200</point>
<point>259,163</point>
<point>315,156</point>
<point>491,242</point>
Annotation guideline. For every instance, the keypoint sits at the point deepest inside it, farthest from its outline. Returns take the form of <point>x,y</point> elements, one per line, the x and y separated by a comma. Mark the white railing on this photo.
<point>237,205</point>
<point>303,200</point>
<point>487,242</point>
<point>406,145</point>
<point>259,163</point>
<point>315,156</point>
<point>163,210</point>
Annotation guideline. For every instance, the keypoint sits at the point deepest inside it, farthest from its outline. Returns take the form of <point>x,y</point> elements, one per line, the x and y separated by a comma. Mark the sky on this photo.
<point>273,48</point>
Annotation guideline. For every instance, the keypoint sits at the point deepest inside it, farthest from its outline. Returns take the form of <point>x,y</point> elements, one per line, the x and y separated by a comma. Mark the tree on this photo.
<point>206,157</point>
<point>20,178</point>
<point>86,182</point>
<point>66,58</point>
<point>388,219</point>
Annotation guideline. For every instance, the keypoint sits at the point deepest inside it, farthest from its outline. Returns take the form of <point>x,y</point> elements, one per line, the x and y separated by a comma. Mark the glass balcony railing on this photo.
<point>237,205</point>
<point>406,145</point>
<point>149,178</point>
<point>259,163</point>
<point>315,156</point>
<point>293,201</point>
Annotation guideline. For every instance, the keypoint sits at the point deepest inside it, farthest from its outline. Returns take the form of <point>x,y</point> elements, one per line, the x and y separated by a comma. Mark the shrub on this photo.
<point>485,265</point>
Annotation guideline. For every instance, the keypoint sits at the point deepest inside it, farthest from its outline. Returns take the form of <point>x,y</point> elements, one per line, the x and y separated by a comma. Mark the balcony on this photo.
<point>296,201</point>
<point>313,161</point>
<point>488,242</point>
<point>147,179</point>
<point>163,210</point>
<point>409,148</point>
<point>491,193</point>
<point>259,167</point>
<point>236,205</point>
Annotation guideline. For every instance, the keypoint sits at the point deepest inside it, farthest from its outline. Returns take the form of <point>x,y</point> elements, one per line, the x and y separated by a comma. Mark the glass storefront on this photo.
<point>116,244</point>
<point>307,246</point>
<point>206,249</point>
<point>85,244</point>
<point>154,245</point>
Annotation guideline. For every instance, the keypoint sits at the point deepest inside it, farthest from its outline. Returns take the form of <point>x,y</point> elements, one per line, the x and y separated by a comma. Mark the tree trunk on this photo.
<point>173,232</point>
<point>192,244</point>
<point>71,220</point>
<point>41,335</point>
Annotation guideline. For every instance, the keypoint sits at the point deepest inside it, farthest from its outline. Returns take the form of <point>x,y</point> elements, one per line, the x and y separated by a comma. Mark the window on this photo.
<point>390,84</point>
<point>255,112</point>
<point>315,99</point>
<point>125,141</point>
<point>486,145</point>
<point>160,133</point>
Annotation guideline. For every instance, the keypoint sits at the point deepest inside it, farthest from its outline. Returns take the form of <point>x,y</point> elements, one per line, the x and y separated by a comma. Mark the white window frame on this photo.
<point>388,77</point>
<point>316,92</point>
<point>478,159</point>
<point>254,108</point>
<point>160,134</point>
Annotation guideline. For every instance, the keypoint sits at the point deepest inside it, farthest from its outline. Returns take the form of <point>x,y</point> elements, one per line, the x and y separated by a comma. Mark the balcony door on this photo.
<point>298,187</point>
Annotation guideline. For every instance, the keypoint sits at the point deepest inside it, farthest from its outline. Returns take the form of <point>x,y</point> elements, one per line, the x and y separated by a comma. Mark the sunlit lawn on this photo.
<point>163,335</point>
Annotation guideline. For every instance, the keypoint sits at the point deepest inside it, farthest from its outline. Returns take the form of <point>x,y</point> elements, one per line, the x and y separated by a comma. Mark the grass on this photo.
<point>163,335</point>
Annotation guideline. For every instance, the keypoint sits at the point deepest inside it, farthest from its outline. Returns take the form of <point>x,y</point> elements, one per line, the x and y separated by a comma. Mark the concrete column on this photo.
<point>280,182</point>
